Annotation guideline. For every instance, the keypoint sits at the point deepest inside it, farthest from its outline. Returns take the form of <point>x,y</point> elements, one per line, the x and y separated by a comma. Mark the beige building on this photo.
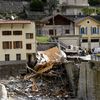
<point>17,40</point>
<point>89,30</point>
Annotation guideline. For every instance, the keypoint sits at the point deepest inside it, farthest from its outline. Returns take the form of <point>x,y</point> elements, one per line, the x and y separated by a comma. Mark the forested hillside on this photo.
<point>94,2</point>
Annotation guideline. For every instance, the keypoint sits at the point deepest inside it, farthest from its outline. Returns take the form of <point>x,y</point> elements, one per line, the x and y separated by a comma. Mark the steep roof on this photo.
<point>49,17</point>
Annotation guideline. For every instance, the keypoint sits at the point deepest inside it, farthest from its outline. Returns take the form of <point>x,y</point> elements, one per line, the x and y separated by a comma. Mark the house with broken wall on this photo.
<point>82,31</point>
<point>17,46</point>
<point>58,27</point>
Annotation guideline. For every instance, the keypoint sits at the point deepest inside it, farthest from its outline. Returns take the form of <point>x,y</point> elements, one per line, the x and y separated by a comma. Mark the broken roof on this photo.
<point>50,17</point>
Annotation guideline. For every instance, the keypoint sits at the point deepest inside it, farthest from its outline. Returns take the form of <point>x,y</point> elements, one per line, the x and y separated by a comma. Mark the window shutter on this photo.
<point>10,45</point>
<point>86,30</point>
<point>91,30</point>
<point>14,45</point>
<point>97,31</point>
<point>80,30</point>
<point>21,44</point>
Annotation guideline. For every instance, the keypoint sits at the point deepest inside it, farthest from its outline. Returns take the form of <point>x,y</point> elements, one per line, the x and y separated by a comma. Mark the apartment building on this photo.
<point>17,41</point>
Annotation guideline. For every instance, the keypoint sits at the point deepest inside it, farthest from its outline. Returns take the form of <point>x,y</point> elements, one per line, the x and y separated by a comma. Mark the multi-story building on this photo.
<point>17,40</point>
<point>62,27</point>
<point>72,7</point>
<point>57,25</point>
<point>89,30</point>
<point>17,46</point>
<point>81,31</point>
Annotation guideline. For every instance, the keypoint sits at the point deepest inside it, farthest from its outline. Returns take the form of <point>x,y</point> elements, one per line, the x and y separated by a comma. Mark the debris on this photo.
<point>3,92</point>
<point>48,80</point>
<point>47,59</point>
<point>34,86</point>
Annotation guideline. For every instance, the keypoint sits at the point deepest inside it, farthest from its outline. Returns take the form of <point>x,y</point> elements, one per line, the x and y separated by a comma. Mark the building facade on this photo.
<point>17,41</point>
<point>72,7</point>
<point>57,25</point>
<point>61,28</point>
<point>89,30</point>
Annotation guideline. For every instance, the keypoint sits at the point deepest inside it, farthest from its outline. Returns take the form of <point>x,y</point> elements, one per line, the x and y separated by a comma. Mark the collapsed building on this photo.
<point>52,77</point>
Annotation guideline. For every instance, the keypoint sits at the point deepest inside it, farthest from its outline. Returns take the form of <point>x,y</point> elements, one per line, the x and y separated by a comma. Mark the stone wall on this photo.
<point>89,81</point>
<point>12,70</point>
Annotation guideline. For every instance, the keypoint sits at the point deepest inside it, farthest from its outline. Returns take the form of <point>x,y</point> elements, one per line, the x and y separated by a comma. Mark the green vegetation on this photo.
<point>37,5</point>
<point>94,2</point>
<point>42,39</point>
<point>89,11</point>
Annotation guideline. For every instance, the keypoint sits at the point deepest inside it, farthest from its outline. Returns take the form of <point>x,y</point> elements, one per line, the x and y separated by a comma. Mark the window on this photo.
<point>88,22</point>
<point>7,57</point>
<point>18,56</point>
<point>66,31</point>
<point>84,40</point>
<point>94,40</point>
<point>7,45</point>
<point>29,35</point>
<point>93,30</point>
<point>28,46</point>
<point>6,32</point>
<point>17,44</point>
<point>82,31</point>
<point>17,32</point>
<point>50,32</point>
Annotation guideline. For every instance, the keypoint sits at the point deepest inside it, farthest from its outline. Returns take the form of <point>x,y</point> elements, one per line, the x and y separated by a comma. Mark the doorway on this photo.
<point>29,58</point>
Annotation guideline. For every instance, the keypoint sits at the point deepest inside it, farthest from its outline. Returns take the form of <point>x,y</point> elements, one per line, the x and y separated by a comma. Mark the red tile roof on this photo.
<point>15,22</point>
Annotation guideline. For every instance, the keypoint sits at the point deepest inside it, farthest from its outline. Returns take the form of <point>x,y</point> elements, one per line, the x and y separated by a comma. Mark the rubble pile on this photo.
<point>52,85</point>
<point>47,80</point>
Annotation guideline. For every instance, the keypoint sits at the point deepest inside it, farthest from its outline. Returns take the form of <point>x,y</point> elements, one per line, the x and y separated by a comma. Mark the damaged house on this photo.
<point>17,46</point>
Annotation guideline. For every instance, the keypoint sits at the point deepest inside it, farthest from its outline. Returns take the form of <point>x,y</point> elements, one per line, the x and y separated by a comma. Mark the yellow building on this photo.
<point>17,40</point>
<point>89,30</point>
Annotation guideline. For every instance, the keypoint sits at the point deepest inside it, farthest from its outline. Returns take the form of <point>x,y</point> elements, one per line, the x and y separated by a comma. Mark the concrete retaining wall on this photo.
<point>12,70</point>
<point>89,81</point>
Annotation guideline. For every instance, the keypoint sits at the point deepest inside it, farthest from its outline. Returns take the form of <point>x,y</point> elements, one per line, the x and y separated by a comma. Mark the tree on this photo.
<point>89,11</point>
<point>37,5</point>
<point>94,2</point>
<point>52,4</point>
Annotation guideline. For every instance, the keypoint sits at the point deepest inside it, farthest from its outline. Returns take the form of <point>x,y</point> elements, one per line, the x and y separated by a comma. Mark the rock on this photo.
<point>3,92</point>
